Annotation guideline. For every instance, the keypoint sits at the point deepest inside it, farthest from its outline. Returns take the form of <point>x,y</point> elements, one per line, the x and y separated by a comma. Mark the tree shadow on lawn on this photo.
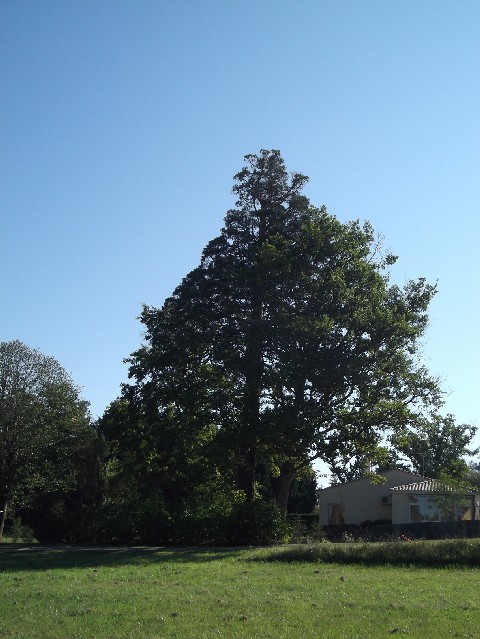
<point>17,557</point>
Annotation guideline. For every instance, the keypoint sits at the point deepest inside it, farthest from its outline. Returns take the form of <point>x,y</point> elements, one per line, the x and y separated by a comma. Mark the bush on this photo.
<point>201,522</point>
<point>153,522</point>
<point>224,523</point>
<point>148,522</point>
<point>256,523</point>
<point>303,533</point>
<point>27,535</point>
<point>115,523</point>
<point>199,525</point>
<point>21,533</point>
<point>305,528</point>
<point>57,518</point>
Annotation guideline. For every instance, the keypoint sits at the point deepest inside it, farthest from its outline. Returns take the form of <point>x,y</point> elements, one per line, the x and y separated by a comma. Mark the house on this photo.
<point>400,498</point>
<point>432,500</point>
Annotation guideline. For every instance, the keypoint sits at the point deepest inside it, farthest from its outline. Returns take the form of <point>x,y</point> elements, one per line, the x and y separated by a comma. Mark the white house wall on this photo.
<point>400,508</point>
<point>362,499</point>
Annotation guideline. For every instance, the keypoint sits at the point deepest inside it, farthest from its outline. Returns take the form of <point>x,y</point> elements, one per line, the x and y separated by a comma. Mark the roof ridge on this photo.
<point>428,485</point>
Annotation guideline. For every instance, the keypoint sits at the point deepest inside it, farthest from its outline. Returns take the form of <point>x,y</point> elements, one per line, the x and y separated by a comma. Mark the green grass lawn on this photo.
<point>206,594</point>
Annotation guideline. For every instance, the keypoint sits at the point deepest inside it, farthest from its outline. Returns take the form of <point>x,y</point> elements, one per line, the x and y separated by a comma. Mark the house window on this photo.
<point>335,514</point>
<point>423,509</point>
<point>464,510</point>
<point>439,508</point>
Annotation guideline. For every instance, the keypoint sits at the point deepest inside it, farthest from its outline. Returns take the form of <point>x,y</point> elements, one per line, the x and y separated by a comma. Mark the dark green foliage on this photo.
<point>68,515</point>
<point>116,522</point>
<point>256,523</point>
<point>305,529</point>
<point>163,483</point>
<point>47,445</point>
<point>303,494</point>
<point>134,522</point>
<point>285,345</point>
<point>208,524</point>
<point>160,454</point>
<point>18,532</point>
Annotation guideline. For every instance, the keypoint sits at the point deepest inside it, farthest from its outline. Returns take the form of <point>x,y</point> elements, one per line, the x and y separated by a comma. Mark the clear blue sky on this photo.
<point>123,121</point>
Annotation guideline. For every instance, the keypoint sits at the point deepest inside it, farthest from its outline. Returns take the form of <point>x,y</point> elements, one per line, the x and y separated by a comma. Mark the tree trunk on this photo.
<point>253,382</point>
<point>281,485</point>
<point>246,472</point>
<point>249,433</point>
<point>3,516</point>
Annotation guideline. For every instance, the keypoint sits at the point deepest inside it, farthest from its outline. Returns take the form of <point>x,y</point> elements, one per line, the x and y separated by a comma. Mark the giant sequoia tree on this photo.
<point>287,342</point>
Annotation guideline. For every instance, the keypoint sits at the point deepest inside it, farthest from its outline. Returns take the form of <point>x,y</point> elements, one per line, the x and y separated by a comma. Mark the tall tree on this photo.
<point>287,337</point>
<point>437,446</point>
<point>41,418</point>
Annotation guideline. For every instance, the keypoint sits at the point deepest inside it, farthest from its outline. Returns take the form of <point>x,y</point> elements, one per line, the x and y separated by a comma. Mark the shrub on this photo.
<point>19,532</point>
<point>200,525</point>
<point>256,523</point>
<point>302,533</point>
<point>152,523</point>
<point>219,521</point>
<point>115,523</point>
<point>16,530</point>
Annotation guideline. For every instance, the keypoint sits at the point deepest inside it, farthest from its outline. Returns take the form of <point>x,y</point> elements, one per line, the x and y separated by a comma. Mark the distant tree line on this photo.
<point>286,345</point>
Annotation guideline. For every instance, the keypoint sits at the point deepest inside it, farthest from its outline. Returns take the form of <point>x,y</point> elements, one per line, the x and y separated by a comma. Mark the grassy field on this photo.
<point>207,594</point>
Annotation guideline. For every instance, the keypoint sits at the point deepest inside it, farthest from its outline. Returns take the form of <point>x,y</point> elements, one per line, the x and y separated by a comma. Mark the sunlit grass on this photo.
<point>196,594</point>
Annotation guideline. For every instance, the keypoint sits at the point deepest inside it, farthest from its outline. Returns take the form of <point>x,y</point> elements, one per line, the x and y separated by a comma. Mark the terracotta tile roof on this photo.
<point>426,486</point>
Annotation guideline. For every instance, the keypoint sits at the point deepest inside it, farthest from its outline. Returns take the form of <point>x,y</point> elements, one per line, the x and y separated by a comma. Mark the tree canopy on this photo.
<point>437,447</point>
<point>42,422</point>
<point>287,343</point>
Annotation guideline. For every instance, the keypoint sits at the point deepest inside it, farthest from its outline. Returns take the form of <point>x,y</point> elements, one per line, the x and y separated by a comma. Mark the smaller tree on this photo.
<point>350,464</point>
<point>438,447</point>
<point>42,420</point>
<point>472,477</point>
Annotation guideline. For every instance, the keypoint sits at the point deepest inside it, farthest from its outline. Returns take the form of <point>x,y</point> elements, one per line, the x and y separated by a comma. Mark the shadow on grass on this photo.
<point>16,557</point>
